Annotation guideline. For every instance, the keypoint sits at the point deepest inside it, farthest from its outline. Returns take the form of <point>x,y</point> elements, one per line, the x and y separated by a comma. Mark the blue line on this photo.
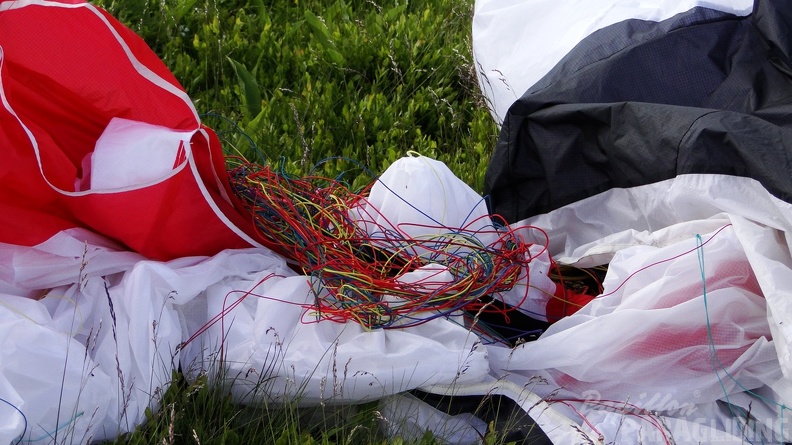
<point>716,363</point>
<point>58,429</point>
<point>24,418</point>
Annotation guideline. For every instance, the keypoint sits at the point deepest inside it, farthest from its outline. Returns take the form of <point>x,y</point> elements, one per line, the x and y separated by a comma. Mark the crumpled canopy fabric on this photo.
<point>124,255</point>
<point>517,42</point>
<point>93,317</point>
<point>692,322</point>
<point>638,102</point>
<point>59,99</point>
<point>656,144</point>
<point>93,332</point>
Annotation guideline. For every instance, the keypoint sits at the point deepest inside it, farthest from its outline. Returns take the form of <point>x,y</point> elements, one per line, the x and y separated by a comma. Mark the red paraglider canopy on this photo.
<point>58,100</point>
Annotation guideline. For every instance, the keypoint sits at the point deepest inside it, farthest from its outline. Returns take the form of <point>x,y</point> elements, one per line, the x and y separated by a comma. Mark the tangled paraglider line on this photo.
<point>371,272</point>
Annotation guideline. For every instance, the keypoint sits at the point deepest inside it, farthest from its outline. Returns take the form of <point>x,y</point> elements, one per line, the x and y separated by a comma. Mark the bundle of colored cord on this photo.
<point>378,277</point>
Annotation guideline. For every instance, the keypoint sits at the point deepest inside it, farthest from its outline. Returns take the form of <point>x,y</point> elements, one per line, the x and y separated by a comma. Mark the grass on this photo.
<point>311,80</point>
<point>324,85</point>
<point>199,412</point>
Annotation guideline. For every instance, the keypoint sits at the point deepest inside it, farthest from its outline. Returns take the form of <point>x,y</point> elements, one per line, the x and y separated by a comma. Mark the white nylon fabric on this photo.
<point>685,341</point>
<point>117,326</point>
<point>90,335</point>
<point>131,154</point>
<point>517,42</point>
<point>692,329</point>
<point>419,198</point>
<point>412,416</point>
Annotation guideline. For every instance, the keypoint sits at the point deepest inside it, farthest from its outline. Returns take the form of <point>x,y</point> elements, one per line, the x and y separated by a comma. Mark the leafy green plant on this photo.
<point>308,81</point>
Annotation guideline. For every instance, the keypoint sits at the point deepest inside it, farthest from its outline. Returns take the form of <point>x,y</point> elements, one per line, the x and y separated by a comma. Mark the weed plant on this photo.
<point>322,86</point>
<point>311,81</point>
